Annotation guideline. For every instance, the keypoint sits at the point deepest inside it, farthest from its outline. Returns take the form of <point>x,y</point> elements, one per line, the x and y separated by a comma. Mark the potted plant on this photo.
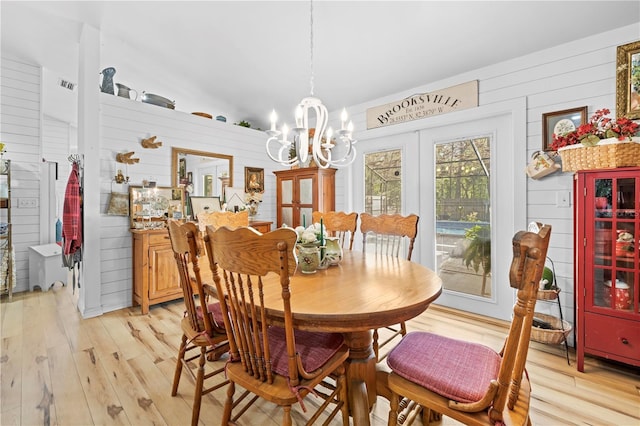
<point>478,252</point>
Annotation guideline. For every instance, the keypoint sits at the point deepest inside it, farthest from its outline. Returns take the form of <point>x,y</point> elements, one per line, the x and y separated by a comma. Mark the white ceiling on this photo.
<point>241,59</point>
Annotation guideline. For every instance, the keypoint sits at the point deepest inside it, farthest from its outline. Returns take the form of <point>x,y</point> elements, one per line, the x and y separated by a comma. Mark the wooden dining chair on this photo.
<point>388,234</point>
<point>202,326</point>
<point>338,224</point>
<point>276,363</point>
<point>223,218</point>
<point>467,381</point>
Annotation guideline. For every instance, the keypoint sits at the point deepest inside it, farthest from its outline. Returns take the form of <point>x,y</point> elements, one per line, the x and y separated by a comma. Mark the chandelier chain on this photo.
<point>311,44</point>
<point>308,137</point>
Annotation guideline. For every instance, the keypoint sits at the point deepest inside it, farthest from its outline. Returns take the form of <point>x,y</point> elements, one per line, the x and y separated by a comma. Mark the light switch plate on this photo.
<point>563,198</point>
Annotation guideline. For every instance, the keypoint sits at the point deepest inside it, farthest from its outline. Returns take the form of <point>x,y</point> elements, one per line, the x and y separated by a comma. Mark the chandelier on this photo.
<point>327,148</point>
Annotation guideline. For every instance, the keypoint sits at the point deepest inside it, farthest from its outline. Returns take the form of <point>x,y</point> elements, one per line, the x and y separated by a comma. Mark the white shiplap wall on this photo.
<point>566,76</point>
<point>123,124</point>
<point>20,131</point>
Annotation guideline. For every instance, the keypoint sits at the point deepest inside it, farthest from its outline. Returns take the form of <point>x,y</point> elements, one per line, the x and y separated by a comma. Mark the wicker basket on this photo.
<point>608,154</point>
<point>548,294</point>
<point>555,336</point>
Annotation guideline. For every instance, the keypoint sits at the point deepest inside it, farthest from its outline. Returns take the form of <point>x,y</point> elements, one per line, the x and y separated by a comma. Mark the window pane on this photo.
<point>463,215</point>
<point>383,189</point>
<point>383,182</point>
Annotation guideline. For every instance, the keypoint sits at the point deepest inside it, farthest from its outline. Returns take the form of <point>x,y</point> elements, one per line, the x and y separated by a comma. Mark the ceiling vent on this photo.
<point>66,84</point>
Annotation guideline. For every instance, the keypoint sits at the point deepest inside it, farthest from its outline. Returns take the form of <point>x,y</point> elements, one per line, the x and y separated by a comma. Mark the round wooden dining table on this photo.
<point>365,291</point>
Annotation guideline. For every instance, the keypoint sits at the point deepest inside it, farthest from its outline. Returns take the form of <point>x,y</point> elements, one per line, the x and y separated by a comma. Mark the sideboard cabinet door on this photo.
<point>155,274</point>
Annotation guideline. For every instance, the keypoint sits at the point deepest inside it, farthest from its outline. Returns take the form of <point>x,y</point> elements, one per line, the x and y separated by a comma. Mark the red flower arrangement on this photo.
<point>599,127</point>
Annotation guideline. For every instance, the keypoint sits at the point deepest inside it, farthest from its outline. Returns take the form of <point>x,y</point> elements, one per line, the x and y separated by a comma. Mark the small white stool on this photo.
<point>45,266</point>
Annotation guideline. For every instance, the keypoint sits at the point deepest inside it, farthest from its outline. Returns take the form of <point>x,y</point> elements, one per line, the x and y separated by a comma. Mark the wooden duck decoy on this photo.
<point>150,143</point>
<point>125,157</point>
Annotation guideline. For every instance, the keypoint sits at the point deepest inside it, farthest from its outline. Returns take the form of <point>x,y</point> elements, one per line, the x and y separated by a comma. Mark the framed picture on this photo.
<point>628,80</point>
<point>561,122</point>
<point>151,207</point>
<point>182,168</point>
<point>204,204</point>
<point>235,198</point>
<point>189,177</point>
<point>253,179</point>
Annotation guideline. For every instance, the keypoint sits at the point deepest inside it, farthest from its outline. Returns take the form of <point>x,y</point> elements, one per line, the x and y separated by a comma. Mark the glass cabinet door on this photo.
<point>287,191</point>
<point>306,190</point>
<point>615,239</point>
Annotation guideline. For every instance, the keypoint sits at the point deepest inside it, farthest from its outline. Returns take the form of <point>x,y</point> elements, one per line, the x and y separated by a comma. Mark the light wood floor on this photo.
<point>57,368</point>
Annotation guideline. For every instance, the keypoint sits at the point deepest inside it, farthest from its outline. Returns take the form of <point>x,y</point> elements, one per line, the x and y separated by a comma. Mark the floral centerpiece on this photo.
<point>312,235</point>
<point>597,128</point>
<point>308,248</point>
<point>252,201</point>
<point>600,143</point>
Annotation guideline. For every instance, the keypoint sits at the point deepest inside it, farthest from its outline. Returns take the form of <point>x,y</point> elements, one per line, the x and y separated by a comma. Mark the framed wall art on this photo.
<point>628,81</point>
<point>204,204</point>
<point>561,122</point>
<point>253,180</point>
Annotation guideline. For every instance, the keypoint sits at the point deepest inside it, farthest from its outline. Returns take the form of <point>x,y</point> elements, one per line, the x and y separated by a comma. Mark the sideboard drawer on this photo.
<point>161,238</point>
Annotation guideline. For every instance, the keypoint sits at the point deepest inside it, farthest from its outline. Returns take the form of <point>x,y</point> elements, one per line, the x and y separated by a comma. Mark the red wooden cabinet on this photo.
<point>607,264</point>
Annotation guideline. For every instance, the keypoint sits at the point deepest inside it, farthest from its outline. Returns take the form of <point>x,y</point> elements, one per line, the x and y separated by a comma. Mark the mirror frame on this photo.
<point>175,153</point>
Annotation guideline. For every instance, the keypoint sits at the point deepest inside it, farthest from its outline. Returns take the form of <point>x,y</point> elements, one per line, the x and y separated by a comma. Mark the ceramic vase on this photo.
<point>308,258</point>
<point>332,251</point>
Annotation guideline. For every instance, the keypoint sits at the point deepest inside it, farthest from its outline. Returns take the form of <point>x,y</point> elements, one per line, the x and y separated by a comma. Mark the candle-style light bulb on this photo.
<point>274,118</point>
<point>329,134</point>
<point>350,127</point>
<point>343,118</point>
<point>299,114</point>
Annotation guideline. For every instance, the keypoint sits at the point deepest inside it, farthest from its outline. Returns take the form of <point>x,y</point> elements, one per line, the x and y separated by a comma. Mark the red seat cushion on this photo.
<point>315,349</point>
<point>215,309</point>
<point>456,369</point>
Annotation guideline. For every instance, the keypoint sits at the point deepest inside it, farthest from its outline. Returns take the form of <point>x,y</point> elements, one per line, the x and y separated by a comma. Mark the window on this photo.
<point>463,215</point>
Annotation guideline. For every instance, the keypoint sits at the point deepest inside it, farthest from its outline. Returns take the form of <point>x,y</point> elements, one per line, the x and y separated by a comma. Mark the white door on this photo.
<point>449,224</point>
<point>505,208</point>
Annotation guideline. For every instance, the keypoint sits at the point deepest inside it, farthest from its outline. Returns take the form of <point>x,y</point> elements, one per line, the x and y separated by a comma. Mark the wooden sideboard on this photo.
<point>155,274</point>
<point>261,226</point>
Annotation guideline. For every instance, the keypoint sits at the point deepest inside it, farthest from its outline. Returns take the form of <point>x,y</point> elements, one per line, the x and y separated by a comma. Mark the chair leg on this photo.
<point>344,395</point>
<point>375,343</point>
<point>286,417</point>
<point>394,402</point>
<point>176,375</point>
<point>228,404</point>
<point>197,398</point>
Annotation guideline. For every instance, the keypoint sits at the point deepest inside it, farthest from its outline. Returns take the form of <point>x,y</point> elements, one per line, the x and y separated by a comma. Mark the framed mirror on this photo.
<point>150,207</point>
<point>201,173</point>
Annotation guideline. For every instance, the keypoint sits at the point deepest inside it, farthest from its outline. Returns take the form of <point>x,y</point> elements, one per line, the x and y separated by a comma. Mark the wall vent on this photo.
<point>66,84</point>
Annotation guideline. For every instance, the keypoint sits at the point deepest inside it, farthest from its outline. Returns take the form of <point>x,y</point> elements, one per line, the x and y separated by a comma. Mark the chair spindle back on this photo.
<point>387,233</point>
<point>339,224</point>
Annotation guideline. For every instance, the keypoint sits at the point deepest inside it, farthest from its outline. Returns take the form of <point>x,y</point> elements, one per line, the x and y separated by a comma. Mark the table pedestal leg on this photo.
<point>361,376</point>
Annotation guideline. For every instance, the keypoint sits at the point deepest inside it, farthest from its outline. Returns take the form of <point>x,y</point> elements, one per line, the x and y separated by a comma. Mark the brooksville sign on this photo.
<point>424,105</point>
